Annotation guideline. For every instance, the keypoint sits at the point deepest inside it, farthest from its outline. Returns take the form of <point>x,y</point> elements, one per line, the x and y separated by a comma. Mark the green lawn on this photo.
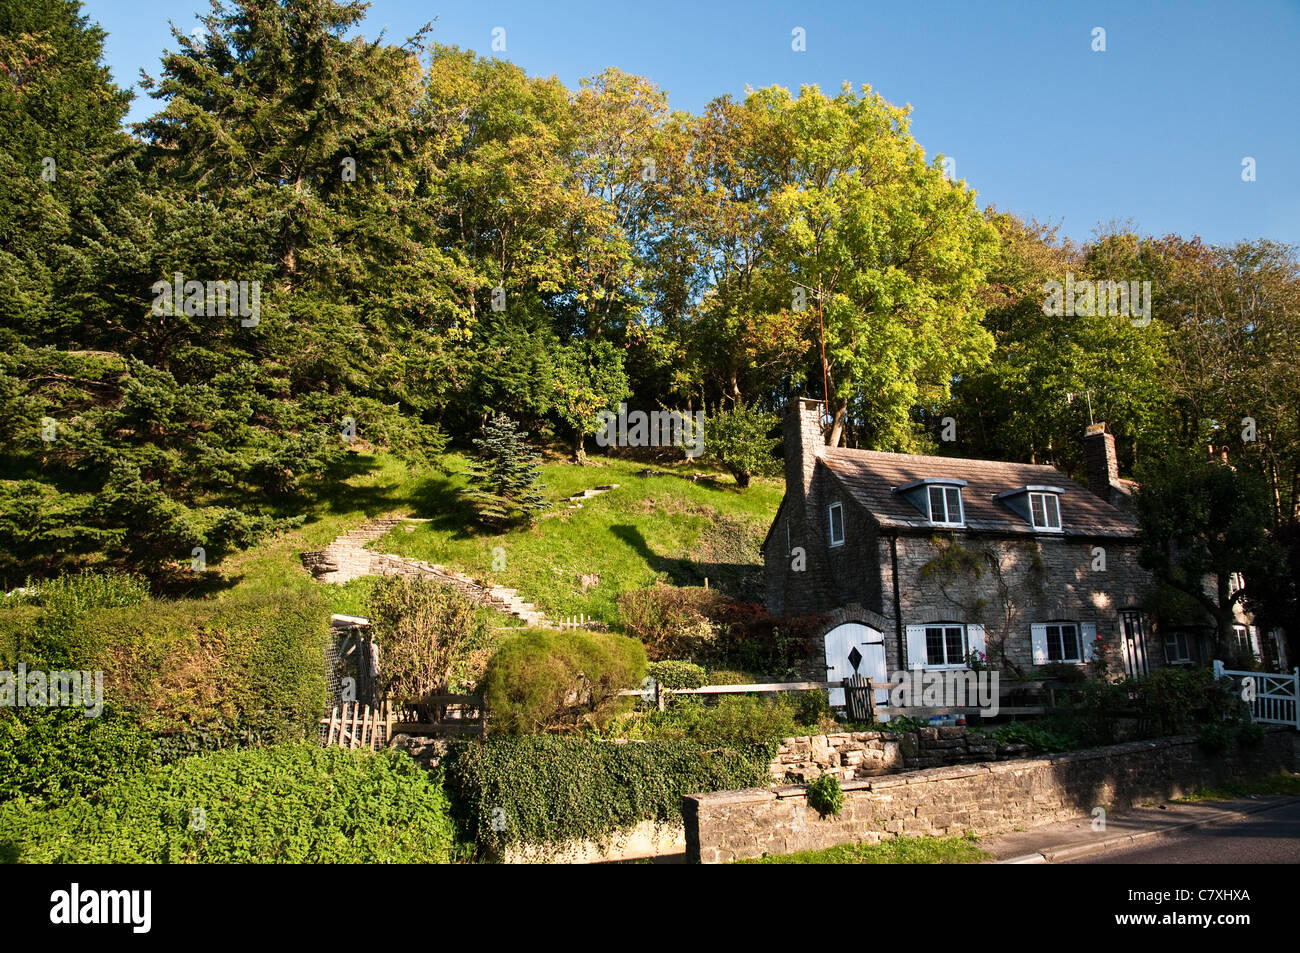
<point>896,850</point>
<point>657,528</point>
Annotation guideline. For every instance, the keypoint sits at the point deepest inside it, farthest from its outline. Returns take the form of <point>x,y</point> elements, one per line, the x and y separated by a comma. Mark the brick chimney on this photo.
<point>804,442</point>
<point>1102,464</point>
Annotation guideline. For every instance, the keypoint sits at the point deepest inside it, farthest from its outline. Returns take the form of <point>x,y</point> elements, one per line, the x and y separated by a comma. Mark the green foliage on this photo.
<point>896,850</point>
<point>1062,672</point>
<point>1038,736</point>
<point>673,622</point>
<point>426,633</point>
<point>287,804</point>
<point>542,680</point>
<point>505,477</point>
<point>739,440</point>
<point>250,665</point>
<point>52,755</point>
<point>825,796</point>
<point>548,789</point>
<point>674,673</point>
<point>1200,518</point>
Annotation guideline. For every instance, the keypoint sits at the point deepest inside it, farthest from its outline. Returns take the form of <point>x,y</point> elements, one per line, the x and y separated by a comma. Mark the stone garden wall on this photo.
<point>852,755</point>
<point>982,797</point>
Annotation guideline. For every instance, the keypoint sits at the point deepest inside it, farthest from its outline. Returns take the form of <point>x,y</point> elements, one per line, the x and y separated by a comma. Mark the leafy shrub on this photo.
<point>903,724</point>
<point>80,592</point>
<point>545,681</point>
<point>1251,734</point>
<point>825,795</point>
<point>706,627</point>
<point>1037,735</point>
<point>751,724</point>
<point>678,674</point>
<point>546,789</point>
<point>1062,672</point>
<point>293,803</point>
<point>52,755</point>
<point>673,622</point>
<point>1216,736</point>
<point>426,633</point>
<point>1175,700</point>
<point>739,440</point>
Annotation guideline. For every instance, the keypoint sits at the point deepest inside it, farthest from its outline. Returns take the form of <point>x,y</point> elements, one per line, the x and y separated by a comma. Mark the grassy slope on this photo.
<point>665,528</point>
<point>650,528</point>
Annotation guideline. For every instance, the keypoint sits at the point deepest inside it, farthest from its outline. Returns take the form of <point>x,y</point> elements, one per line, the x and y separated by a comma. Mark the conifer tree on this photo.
<point>505,477</point>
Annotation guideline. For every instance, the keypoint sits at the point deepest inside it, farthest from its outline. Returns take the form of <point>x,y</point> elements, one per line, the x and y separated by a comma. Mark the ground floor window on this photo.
<point>1063,642</point>
<point>1178,647</point>
<point>945,645</point>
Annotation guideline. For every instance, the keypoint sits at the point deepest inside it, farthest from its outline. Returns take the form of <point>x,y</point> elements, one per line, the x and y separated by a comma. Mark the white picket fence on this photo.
<point>1274,698</point>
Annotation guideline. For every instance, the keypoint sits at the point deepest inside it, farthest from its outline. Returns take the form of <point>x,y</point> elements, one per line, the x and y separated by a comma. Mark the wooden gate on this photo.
<point>354,725</point>
<point>1274,699</point>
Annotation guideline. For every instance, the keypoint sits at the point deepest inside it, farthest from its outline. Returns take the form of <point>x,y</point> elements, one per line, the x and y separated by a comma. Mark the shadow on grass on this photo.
<point>729,578</point>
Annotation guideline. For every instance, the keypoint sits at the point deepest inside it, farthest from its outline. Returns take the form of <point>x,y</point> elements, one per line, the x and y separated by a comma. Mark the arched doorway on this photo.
<point>854,647</point>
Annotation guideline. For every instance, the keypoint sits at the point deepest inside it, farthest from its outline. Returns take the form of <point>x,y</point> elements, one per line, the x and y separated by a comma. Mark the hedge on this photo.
<point>546,789</point>
<point>294,803</point>
<point>251,665</point>
<point>543,680</point>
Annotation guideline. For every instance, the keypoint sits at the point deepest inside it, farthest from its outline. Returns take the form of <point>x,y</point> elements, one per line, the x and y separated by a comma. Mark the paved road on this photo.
<point>1269,837</point>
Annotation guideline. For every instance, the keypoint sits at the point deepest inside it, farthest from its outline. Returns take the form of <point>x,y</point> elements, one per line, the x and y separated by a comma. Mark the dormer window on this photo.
<point>945,505</point>
<point>1045,511</point>
<point>1039,505</point>
<point>937,498</point>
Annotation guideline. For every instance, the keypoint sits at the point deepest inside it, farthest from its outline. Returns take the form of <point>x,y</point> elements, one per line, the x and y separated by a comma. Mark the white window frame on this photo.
<point>1186,650</point>
<point>945,489</point>
<point>1245,639</point>
<point>1051,503</point>
<point>1085,632</point>
<point>944,629</point>
<point>830,524</point>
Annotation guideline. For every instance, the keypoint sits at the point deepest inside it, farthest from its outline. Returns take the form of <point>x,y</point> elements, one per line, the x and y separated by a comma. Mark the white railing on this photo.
<point>1274,698</point>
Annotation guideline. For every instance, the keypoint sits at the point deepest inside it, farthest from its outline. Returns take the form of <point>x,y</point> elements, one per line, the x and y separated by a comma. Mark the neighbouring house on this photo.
<point>928,562</point>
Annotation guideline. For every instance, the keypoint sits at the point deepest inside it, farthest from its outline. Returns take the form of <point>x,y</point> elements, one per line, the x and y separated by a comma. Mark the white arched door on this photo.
<point>852,643</point>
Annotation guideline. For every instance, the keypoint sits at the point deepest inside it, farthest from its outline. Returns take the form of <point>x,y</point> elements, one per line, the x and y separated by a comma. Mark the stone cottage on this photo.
<point>931,562</point>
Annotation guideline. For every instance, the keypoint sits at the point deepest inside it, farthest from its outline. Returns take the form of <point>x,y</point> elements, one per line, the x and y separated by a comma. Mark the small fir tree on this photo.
<point>505,477</point>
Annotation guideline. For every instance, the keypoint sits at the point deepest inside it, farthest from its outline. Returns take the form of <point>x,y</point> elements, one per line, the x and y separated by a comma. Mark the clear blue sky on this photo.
<point>1154,129</point>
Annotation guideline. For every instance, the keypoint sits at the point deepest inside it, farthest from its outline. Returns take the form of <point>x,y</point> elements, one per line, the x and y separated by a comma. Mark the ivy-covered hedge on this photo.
<point>547,790</point>
<point>292,803</point>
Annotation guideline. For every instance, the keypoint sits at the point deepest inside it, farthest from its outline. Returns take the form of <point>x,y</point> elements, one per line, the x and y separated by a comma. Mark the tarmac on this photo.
<point>1065,840</point>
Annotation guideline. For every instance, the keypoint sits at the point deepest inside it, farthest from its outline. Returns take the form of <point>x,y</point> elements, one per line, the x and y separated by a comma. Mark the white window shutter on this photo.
<point>975,639</point>
<point>1038,639</point>
<point>916,646</point>
<point>1088,634</point>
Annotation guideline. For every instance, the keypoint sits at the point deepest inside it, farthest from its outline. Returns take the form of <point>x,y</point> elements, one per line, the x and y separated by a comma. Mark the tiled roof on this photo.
<point>870,477</point>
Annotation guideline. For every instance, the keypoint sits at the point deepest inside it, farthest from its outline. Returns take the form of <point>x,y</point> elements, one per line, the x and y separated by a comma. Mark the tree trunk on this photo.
<point>579,451</point>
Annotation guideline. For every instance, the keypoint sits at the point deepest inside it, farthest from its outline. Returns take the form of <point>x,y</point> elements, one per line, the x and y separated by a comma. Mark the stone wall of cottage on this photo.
<point>983,798</point>
<point>832,576</point>
<point>1038,580</point>
<point>851,755</point>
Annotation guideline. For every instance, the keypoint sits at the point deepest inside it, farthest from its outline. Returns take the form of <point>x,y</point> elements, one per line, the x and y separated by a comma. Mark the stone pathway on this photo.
<point>347,558</point>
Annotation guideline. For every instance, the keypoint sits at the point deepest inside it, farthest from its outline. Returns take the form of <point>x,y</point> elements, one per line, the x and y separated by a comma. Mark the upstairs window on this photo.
<point>1045,511</point>
<point>837,524</point>
<point>945,505</point>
